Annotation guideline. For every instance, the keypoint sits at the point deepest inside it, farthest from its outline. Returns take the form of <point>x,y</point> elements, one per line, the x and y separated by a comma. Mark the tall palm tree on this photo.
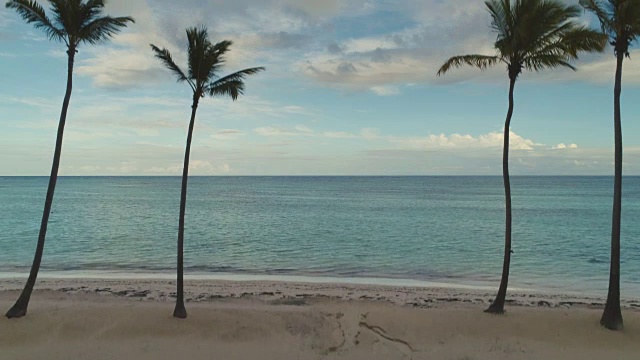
<point>74,22</point>
<point>532,35</point>
<point>205,60</point>
<point>620,21</point>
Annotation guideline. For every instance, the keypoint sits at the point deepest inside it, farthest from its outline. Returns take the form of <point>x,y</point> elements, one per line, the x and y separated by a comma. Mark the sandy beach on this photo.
<point>131,319</point>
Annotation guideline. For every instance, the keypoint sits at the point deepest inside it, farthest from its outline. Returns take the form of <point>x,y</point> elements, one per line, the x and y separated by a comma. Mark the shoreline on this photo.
<point>301,292</point>
<point>483,284</point>
<point>248,277</point>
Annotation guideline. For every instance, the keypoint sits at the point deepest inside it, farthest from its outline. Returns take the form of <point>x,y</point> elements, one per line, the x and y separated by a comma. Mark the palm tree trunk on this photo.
<point>180,311</point>
<point>19,309</point>
<point>612,316</point>
<point>497,307</point>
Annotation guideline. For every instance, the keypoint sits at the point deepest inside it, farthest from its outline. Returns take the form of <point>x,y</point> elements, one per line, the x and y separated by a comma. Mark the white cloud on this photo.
<point>260,30</point>
<point>249,107</point>
<point>435,155</point>
<point>563,146</point>
<point>126,61</point>
<point>207,168</point>
<point>339,135</point>
<point>120,69</point>
<point>227,134</point>
<point>370,133</point>
<point>196,167</point>
<point>585,163</point>
<point>315,7</point>
<point>370,44</point>
<point>278,131</point>
<point>57,53</point>
<point>34,102</point>
<point>385,90</point>
<point>298,35</point>
<point>461,142</point>
<point>414,54</point>
<point>455,142</point>
<point>302,130</point>
<point>598,69</point>
<point>125,167</point>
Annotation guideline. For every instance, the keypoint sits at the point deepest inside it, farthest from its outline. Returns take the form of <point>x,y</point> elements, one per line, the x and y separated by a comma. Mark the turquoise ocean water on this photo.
<point>438,229</point>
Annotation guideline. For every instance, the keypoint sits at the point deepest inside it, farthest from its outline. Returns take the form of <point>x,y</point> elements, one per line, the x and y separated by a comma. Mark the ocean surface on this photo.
<point>446,230</point>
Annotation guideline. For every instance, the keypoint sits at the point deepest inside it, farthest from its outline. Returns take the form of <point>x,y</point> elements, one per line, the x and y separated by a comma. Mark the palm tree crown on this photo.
<point>205,60</point>
<point>619,19</point>
<point>533,35</point>
<point>74,21</point>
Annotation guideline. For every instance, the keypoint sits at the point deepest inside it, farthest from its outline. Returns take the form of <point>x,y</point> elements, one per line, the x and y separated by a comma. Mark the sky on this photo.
<point>350,89</point>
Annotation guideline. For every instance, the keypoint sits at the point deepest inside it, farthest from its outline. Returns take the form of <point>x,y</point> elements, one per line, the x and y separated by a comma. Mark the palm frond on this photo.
<point>214,59</point>
<point>500,12</point>
<point>480,61</point>
<point>541,23</point>
<point>167,60</point>
<point>568,46</point>
<point>583,39</point>
<point>222,47</point>
<point>66,15</point>
<point>541,62</point>
<point>232,88</point>
<point>619,19</point>
<point>603,12</point>
<point>95,4</point>
<point>90,11</point>
<point>34,14</point>
<point>628,23</point>
<point>233,84</point>
<point>199,45</point>
<point>549,37</point>
<point>102,28</point>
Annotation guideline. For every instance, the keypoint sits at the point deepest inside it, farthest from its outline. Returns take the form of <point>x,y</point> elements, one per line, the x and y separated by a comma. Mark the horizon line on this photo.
<point>221,176</point>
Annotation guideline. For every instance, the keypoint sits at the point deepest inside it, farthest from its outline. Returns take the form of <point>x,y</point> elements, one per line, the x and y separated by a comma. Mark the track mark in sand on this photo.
<point>383,334</point>
<point>344,336</point>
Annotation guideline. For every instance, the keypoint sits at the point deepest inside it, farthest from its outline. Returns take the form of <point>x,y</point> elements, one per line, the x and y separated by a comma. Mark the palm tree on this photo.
<point>620,21</point>
<point>205,60</point>
<point>532,35</point>
<point>74,22</point>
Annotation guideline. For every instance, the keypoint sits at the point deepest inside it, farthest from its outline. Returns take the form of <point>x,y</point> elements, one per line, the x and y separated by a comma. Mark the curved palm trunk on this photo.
<point>19,309</point>
<point>497,307</point>
<point>612,316</point>
<point>180,311</point>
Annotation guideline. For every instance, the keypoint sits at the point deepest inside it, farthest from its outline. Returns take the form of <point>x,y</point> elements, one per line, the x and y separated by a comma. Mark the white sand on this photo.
<point>303,321</point>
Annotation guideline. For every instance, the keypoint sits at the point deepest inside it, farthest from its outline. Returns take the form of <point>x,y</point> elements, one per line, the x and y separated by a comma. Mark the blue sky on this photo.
<point>350,89</point>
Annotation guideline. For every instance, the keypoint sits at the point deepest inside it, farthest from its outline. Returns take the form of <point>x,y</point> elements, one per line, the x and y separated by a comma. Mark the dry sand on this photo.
<point>100,319</point>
